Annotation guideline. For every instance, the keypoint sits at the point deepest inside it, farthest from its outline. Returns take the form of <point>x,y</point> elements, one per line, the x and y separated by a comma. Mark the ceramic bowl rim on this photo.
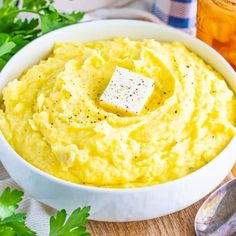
<point>57,180</point>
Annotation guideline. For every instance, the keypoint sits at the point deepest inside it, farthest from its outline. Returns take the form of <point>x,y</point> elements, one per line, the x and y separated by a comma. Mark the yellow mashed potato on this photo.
<point>52,117</point>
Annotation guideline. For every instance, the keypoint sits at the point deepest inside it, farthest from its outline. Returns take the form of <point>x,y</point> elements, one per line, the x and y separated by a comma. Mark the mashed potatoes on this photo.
<point>52,117</point>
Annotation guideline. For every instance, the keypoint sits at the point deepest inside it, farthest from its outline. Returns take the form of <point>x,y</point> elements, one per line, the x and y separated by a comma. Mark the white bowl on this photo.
<point>116,204</point>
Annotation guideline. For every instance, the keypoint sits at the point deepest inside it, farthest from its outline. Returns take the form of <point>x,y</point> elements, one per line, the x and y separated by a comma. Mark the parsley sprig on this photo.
<point>73,226</point>
<point>16,32</point>
<point>13,223</point>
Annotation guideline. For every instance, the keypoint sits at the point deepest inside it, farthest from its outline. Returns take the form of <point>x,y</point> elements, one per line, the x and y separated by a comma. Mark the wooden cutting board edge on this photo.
<point>234,172</point>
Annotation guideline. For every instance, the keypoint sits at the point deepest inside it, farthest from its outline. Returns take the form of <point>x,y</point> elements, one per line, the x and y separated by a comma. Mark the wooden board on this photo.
<point>234,171</point>
<point>177,224</point>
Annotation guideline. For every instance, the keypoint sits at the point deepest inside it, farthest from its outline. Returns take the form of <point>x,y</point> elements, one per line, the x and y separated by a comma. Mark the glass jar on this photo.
<point>216,25</point>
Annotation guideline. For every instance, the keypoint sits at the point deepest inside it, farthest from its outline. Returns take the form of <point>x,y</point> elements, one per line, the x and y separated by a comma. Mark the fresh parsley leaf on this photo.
<point>6,48</point>
<point>2,62</point>
<point>26,27</point>
<point>8,13</point>
<point>20,229</point>
<point>7,231</point>
<point>35,5</point>
<point>5,45</point>
<point>9,202</point>
<point>51,19</point>
<point>73,226</point>
<point>20,32</point>
<point>9,3</point>
<point>19,217</point>
<point>20,42</point>
<point>12,223</point>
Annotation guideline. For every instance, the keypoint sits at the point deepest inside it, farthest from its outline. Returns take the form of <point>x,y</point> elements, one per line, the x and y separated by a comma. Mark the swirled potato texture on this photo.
<point>52,117</point>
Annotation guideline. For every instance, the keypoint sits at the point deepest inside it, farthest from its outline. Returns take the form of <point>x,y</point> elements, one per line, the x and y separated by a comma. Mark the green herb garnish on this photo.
<point>13,223</point>
<point>15,32</point>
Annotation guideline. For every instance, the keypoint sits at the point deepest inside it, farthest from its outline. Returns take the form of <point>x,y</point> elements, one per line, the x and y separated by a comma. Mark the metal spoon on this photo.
<point>217,215</point>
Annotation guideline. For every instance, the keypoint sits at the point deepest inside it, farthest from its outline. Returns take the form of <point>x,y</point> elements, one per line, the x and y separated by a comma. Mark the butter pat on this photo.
<point>127,91</point>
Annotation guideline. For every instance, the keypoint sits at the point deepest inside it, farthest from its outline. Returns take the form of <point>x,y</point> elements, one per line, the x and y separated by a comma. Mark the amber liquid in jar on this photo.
<point>216,25</point>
